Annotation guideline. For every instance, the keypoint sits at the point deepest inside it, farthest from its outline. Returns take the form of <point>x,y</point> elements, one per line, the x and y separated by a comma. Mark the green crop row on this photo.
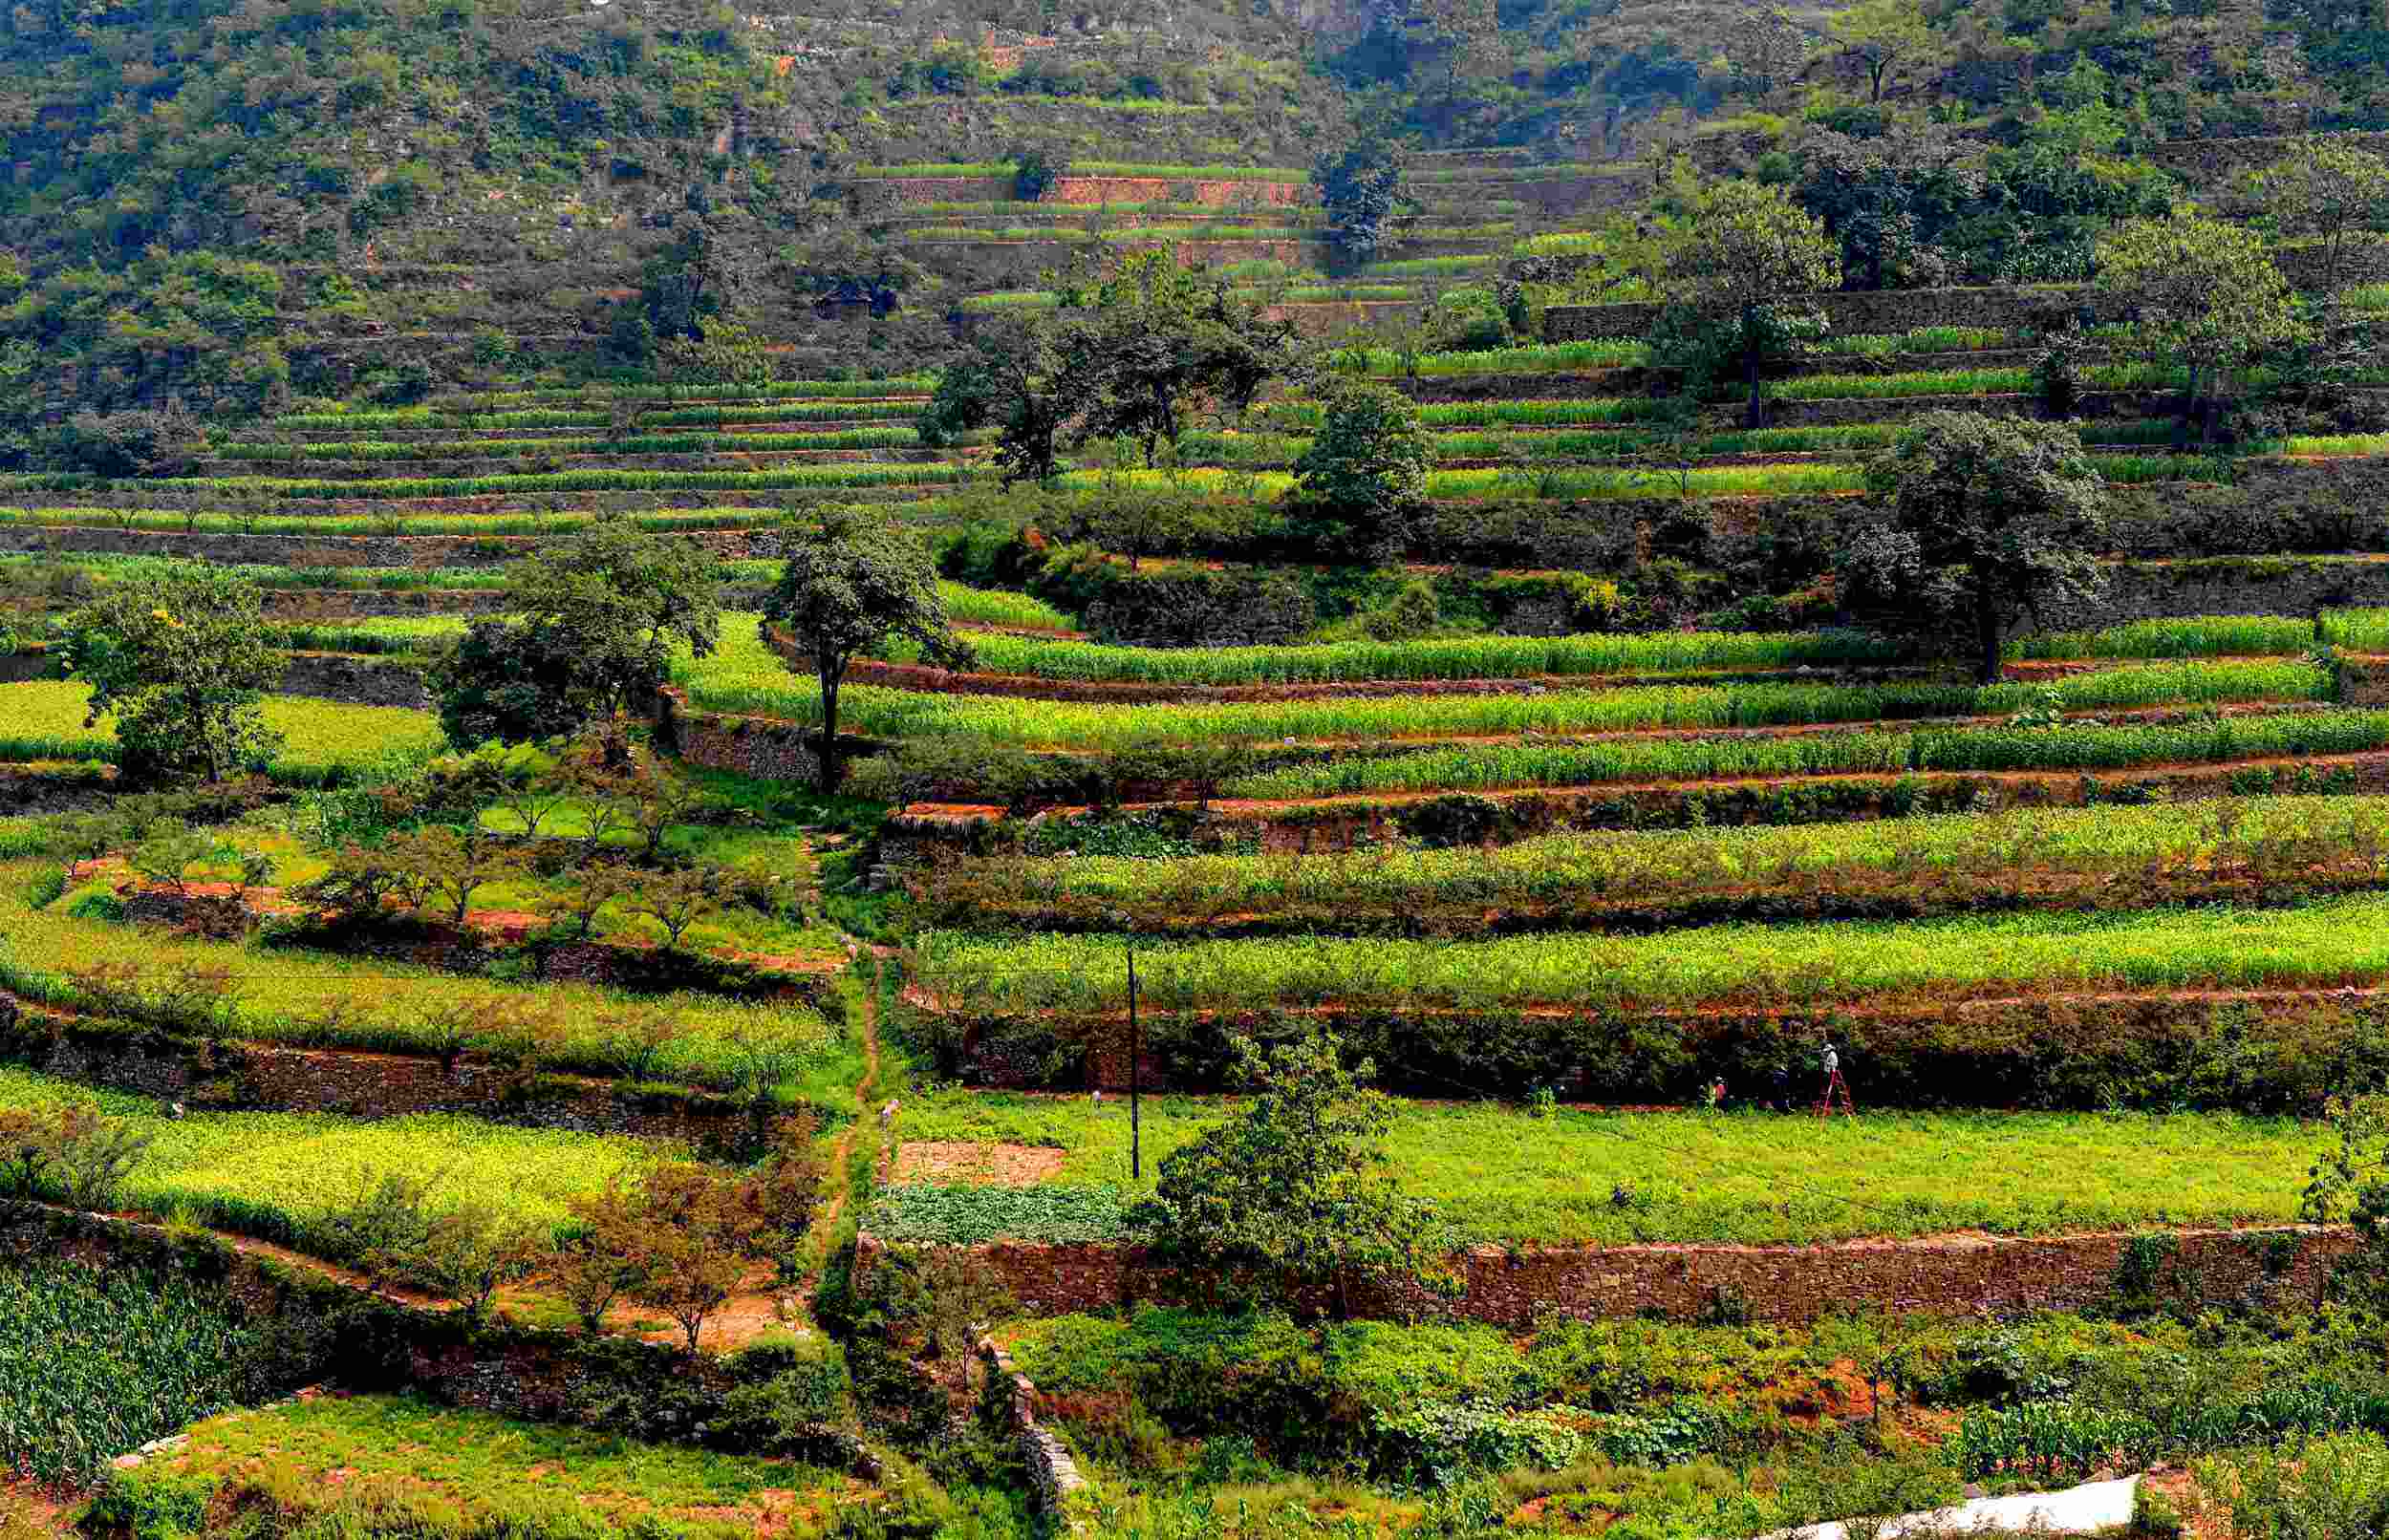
<point>686,417</point>
<point>992,607</point>
<point>1565,879</point>
<point>2075,747</point>
<point>2340,941</point>
<point>2204,636</point>
<point>633,444</point>
<point>328,999</point>
<point>399,634</point>
<point>111,567</point>
<point>744,676</point>
<point>778,390</point>
<point>588,480</point>
<point>328,742</point>
<point>94,1361</point>
<point>1467,657</point>
<point>397,522</point>
<point>1093,168</point>
<point>280,1176</point>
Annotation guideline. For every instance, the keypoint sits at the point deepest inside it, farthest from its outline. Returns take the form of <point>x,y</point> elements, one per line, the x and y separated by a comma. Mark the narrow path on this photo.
<point>825,1223</point>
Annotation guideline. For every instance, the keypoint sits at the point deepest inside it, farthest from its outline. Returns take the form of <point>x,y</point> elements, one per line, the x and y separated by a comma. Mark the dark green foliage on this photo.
<point>851,587</point>
<point>1034,172</point>
<point>601,614</point>
<point>1360,188</point>
<point>182,664</point>
<point>1363,477</point>
<point>94,1362</point>
<point>1985,517</point>
<point>1291,1193</point>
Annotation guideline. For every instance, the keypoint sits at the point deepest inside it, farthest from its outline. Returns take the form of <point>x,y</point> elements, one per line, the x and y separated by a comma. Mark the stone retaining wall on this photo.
<point>359,681</point>
<point>1787,1285</point>
<point>1009,1398</point>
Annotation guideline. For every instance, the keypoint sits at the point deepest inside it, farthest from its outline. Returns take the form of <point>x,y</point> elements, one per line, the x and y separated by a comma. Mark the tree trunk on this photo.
<point>2192,412</point>
<point>1750,355</point>
<point>1987,627</point>
<point>830,678</point>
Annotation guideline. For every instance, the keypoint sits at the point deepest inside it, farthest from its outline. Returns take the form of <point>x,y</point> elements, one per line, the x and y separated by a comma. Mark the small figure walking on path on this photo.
<point>1831,1059</point>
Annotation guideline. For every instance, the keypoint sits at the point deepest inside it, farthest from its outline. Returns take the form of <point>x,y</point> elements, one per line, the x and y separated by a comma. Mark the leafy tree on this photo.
<point>466,1254</point>
<point>1887,197</point>
<point>2329,190</point>
<point>1034,172</point>
<point>137,442</point>
<point>600,615</point>
<point>1764,45</point>
<point>677,900</point>
<point>1292,1193</point>
<point>855,586</point>
<point>1881,35</point>
<point>1984,516</point>
<point>599,1260</point>
<point>1133,348</point>
<point>1363,476</point>
<point>1361,188</point>
<point>1737,274</point>
<point>730,352</point>
<point>704,275</point>
<point>2347,1185</point>
<point>1155,340</point>
<point>1014,378</point>
<point>693,1234</point>
<point>451,864</point>
<point>182,664</point>
<point>2202,293</point>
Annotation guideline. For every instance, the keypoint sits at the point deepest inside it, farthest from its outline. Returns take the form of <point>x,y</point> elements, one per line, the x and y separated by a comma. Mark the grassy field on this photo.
<point>327,743</point>
<point>2330,943</point>
<point>277,1175</point>
<point>1503,1175</point>
<point>486,1474</point>
<point>285,994</point>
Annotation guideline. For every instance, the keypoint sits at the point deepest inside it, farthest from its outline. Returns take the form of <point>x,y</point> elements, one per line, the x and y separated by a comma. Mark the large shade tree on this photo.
<point>182,664</point>
<point>1980,516</point>
<point>855,586</point>
<point>1742,276</point>
<point>2201,292</point>
<point>598,618</point>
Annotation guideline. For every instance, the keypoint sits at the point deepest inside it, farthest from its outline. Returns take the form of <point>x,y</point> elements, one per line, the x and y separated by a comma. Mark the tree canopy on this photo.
<point>1293,1194</point>
<point>1982,517</point>
<point>2202,293</point>
<point>855,584</point>
<point>599,616</point>
<point>182,664</point>
<point>1738,273</point>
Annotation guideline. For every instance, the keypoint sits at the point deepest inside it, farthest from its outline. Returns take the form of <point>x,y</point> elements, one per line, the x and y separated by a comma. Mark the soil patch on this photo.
<point>987,1166</point>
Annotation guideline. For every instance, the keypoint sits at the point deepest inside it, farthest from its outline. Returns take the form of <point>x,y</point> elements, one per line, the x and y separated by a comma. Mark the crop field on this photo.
<point>1875,751</point>
<point>494,1470</point>
<point>2068,855</point>
<point>1504,1176</point>
<point>2327,944</point>
<point>96,1361</point>
<point>291,995</point>
<point>281,1176</point>
<point>328,741</point>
